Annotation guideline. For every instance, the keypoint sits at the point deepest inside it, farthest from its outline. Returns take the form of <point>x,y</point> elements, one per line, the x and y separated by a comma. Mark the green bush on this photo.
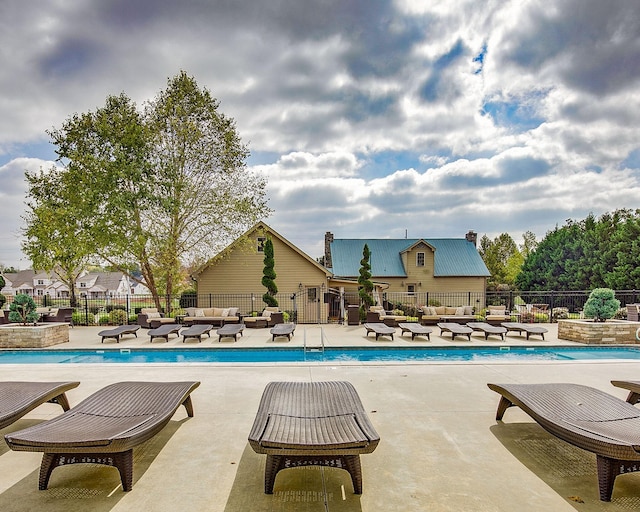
<point>103,319</point>
<point>3,300</point>
<point>23,310</point>
<point>80,318</point>
<point>118,317</point>
<point>601,304</point>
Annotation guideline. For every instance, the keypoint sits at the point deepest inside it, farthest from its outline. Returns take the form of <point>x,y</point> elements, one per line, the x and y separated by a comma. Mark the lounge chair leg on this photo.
<point>124,462</point>
<point>49,462</point>
<point>606,476</point>
<point>352,465</point>
<point>188,405</point>
<point>502,407</point>
<point>274,464</point>
<point>61,400</point>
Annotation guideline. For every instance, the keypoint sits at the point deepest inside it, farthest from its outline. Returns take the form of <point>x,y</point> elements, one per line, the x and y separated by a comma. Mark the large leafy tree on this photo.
<point>54,239</point>
<point>502,258</point>
<point>582,255</point>
<point>161,188</point>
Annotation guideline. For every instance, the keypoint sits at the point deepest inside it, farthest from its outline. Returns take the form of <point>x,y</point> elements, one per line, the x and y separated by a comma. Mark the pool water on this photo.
<point>257,355</point>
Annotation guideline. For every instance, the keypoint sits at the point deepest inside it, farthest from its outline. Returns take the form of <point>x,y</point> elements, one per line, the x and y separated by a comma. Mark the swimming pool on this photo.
<point>270,355</point>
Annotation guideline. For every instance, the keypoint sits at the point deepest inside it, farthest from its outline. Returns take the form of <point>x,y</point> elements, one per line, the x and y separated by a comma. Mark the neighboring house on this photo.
<point>94,285</point>
<point>412,266</point>
<point>238,270</point>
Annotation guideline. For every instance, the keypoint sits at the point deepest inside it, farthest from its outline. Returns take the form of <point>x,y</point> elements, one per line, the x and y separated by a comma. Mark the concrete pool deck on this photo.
<point>441,448</point>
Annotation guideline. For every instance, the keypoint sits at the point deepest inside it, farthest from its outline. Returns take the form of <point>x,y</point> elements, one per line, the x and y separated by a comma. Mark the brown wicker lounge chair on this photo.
<point>230,331</point>
<point>163,331</point>
<point>526,328</point>
<point>379,329</point>
<point>633,386</point>
<point>455,329</point>
<point>312,424</point>
<point>281,330</point>
<point>415,329</point>
<point>19,398</point>
<point>196,331</point>
<point>105,427</point>
<point>118,332</point>
<point>487,329</point>
<point>584,417</point>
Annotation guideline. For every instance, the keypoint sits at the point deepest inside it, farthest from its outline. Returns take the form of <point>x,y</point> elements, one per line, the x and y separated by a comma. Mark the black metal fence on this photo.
<point>303,307</point>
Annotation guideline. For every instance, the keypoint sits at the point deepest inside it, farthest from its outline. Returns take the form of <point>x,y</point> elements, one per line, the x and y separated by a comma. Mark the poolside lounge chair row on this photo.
<point>455,329</point>
<point>195,331</point>
<point>301,424</point>
<point>297,424</point>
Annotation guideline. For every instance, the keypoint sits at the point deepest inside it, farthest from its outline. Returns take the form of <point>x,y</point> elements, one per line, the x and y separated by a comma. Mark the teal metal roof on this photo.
<point>453,257</point>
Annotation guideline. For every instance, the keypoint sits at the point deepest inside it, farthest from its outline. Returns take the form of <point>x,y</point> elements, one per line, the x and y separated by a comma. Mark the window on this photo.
<point>411,289</point>
<point>312,294</point>
<point>261,241</point>
<point>40,293</point>
<point>83,285</point>
<point>420,259</point>
<point>40,281</point>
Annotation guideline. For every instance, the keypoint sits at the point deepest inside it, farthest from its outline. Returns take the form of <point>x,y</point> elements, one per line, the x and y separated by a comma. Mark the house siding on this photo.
<point>241,270</point>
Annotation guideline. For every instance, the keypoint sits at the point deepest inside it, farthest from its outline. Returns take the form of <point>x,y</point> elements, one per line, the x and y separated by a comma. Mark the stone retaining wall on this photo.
<point>598,333</point>
<point>38,336</point>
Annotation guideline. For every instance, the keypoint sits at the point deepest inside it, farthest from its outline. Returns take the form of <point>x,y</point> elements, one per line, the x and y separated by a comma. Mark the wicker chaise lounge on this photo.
<point>20,398</point>
<point>282,330</point>
<point>379,329</point>
<point>105,427</point>
<point>196,331</point>
<point>584,417</point>
<point>415,329</point>
<point>163,332</point>
<point>455,329</point>
<point>312,424</point>
<point>487,329</point>
<point>526,328</point>
<point>117,332</point>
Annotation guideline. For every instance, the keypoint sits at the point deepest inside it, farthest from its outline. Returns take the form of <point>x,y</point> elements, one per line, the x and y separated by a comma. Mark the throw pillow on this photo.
<point>233,311</point>
<point>199,313</point>
<point>153,314</point>
<point>266,314</point>
<point>496,312</point>
<point>459,311</point>
<point>225,312</point>
<point>468,310</point>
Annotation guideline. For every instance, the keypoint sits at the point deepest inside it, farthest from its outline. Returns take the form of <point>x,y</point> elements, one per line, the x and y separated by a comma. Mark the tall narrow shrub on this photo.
<point>269,275</point>
<point>365,286</point>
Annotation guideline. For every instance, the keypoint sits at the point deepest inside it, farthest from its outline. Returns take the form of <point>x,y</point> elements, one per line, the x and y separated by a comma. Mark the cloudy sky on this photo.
<point>370,118</point>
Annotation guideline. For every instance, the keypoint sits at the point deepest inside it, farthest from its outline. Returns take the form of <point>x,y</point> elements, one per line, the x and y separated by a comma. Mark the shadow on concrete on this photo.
<point>80,487</point>
<point>305,489</point>
<point>569,471</point>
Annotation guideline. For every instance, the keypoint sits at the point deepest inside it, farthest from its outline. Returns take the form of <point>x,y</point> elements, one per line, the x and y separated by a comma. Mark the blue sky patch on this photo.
<point>518,116</point>
<point>632,161</point>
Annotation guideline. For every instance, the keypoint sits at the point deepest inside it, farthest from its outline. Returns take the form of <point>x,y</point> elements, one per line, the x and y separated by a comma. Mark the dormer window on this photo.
<point>420,259</point>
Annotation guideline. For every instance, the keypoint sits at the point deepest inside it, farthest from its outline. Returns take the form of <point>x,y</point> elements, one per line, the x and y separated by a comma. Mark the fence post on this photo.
<point>551,307</point>
<point>86,310</point>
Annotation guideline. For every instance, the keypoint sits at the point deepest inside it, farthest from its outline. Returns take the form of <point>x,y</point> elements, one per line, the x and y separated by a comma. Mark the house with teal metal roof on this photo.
<point>416,265</point>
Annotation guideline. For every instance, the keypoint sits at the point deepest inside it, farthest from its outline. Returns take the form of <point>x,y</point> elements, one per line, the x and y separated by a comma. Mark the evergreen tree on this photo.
<point>269,275</point>
<point>365,286</point>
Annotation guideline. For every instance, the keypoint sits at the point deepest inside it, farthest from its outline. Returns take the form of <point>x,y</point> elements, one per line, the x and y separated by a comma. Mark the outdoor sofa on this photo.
<point>584,417</point>
<point>432,315</point>
<point>63,315</point>
<point>213,316</point>
<point>270,316</point>
<point>151,317</point>
<point>377,314</point>
<point>105,427</point>
<point>495,315</point>
<point>312,424</point>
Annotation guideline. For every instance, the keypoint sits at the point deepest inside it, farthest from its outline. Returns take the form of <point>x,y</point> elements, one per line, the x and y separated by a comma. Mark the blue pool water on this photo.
<point>241,355</point>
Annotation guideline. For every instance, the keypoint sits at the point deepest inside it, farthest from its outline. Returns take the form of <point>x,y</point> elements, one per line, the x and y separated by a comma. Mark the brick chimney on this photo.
<point>472,237</point>
<point>328,238</point>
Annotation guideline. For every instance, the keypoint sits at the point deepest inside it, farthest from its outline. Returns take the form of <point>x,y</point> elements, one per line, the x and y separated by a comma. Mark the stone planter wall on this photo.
<point>38,336</point>
<point>598,333</point>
